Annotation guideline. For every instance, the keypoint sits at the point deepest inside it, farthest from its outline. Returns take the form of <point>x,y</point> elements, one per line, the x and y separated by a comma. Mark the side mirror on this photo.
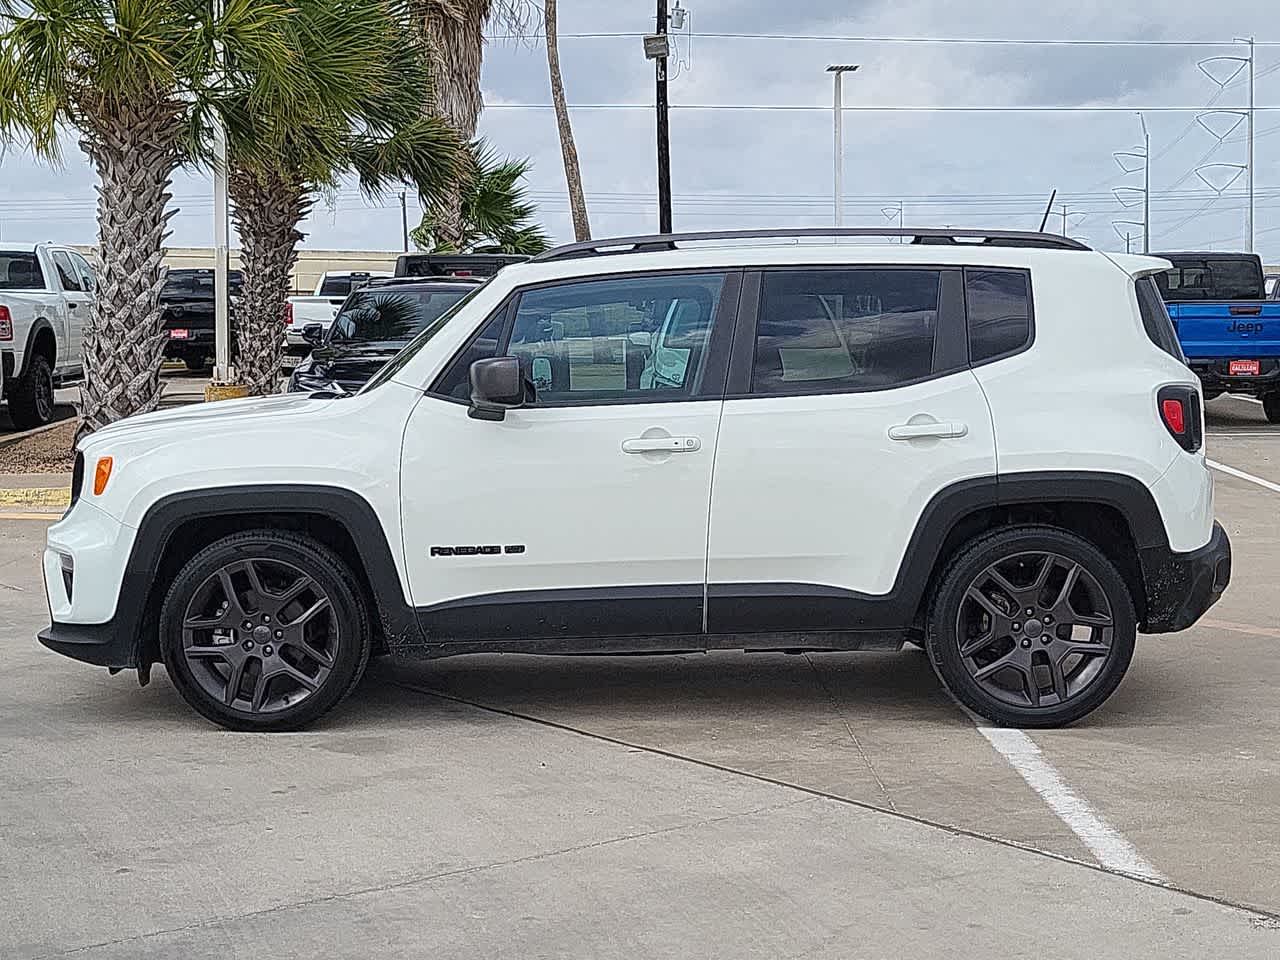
<point>639,338</point>
<point>313,334</point>
<point>497,385</point>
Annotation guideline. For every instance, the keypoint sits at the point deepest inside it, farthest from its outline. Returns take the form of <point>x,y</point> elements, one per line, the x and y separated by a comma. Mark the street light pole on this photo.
<point>221,234</point>
<point>1146,188</point>
<point>837,109</point>
<point>664,135</point>
<point>404,221</point>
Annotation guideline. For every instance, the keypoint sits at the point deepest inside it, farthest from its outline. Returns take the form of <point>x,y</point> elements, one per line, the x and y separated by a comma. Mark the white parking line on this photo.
<point>1113,851</point>
<point>1267,484</point>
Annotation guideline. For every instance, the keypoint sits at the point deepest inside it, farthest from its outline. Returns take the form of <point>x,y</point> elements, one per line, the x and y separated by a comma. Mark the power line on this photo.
<point>808,108</point>
<point>988,41</point>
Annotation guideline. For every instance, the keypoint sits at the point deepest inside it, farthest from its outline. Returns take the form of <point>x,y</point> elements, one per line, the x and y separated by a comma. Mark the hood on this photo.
<point>202,416</point>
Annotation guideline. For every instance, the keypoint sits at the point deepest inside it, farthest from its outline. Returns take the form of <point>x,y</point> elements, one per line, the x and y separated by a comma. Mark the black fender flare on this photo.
<point>167,516</point>
<point>37,326</point>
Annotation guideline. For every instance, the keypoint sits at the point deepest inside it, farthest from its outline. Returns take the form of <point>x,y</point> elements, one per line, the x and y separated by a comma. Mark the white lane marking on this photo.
<point>1113,851</point>
<point>1236,396</point>
<point>1273,487</point>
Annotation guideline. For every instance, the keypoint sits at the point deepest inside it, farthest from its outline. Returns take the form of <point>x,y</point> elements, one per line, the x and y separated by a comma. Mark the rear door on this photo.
<point>584,513</point>
<point>850,405</point>
<point>76,298</point>
<point>78,320</point>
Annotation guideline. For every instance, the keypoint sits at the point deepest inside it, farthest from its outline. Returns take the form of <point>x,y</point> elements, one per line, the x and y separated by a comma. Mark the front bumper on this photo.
<point>1182,586</point>
<point>101,644</point>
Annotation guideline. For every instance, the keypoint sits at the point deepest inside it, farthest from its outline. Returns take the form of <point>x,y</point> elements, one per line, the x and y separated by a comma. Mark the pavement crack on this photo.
<point>835,705</point>
<point>424,879</point>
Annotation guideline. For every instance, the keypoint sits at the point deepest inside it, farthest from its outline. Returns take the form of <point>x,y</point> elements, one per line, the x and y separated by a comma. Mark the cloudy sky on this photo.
<point>762,167</point>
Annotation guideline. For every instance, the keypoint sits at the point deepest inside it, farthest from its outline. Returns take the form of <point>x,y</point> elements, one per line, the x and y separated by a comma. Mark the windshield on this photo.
<point>389,315</point>
<point>182,284</point>
<point>421,340</point>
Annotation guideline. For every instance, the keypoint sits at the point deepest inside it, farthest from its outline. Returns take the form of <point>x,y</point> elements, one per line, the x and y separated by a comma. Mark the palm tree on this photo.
<point>135,81</point>
<point>454,33</point>
<point>568,149</point>
<point>364,69</point>
<point>495,214</point>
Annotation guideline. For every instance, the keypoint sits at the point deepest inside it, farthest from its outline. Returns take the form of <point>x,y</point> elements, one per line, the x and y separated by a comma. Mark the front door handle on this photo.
<point>918,431</point>
<point>661,445</point>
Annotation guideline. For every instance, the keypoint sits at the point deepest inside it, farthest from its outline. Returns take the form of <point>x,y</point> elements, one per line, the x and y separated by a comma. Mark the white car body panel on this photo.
<point>65,312</point>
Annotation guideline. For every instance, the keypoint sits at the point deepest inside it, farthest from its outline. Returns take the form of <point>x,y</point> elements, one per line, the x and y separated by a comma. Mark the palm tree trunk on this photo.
<point>135,151</point>
<point>568,149</point>
<point>454,33</point>
<point>268,209</point>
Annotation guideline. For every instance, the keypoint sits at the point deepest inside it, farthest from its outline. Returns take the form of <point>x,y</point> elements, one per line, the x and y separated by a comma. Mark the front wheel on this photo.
<point>264,631</point>
<point>1271,407</point>
<point>1031,627</point>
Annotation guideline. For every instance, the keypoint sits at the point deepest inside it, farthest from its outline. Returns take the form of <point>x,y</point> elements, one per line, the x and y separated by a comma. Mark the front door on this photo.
<point>851,405</point>
<point>584,513</point>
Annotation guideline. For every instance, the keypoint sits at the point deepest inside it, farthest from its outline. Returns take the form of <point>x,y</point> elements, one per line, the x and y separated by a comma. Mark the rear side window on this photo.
<point>830,331</point>
<point>1155,318</point>
<point>20,271</point>
<point>1212,278</point>
<point>66,272</point>
<point>998,305</point>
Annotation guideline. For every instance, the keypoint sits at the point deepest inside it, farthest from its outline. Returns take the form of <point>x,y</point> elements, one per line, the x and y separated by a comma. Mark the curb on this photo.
<point>58,498</point>
<point>9,438</point>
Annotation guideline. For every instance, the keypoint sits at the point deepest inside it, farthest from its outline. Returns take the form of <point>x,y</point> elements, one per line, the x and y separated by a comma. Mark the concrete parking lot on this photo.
<point>697,806</point>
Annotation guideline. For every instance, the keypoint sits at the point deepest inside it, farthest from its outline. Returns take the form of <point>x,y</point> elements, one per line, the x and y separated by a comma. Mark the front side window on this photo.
<point>66,272</point>
<point>998,303</point>
<point>832,331</point>
<point>84,270</point>
<point>390,315</point>
<point>645,338</point>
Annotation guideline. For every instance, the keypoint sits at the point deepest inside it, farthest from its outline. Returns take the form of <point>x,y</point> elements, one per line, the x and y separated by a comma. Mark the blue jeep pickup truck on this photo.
<point>1229,331</point>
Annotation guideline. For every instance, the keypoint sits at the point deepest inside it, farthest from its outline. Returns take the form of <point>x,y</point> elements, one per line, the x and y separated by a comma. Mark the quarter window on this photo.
<point>843,330</point>
<point>645,338</point>
<point>999,310</point>
<point>1155,318</point>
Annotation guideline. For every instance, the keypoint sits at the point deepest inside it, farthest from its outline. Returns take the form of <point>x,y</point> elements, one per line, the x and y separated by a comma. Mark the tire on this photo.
<point>1021,689</point>
<point>204,643</point>
<point>1271,407</point>
<point>31,401</point>
<point>196,364</point>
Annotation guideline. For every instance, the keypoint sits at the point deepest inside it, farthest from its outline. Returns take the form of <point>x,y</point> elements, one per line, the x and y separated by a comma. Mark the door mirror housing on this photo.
<point>313,334</point>
<point>497,385</point>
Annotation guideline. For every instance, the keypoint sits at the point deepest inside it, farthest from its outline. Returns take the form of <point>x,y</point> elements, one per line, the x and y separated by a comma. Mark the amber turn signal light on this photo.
<point>101,474</point>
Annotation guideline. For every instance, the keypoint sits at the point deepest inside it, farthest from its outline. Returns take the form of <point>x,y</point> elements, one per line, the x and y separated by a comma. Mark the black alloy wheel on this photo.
<point>1032,626</point>
<point>263,631</point>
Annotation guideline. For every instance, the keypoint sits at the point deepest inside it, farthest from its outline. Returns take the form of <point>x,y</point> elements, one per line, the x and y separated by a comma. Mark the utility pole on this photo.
<point>1127,237</point>
<point>1064,219</point>
<point>1250,237</point>
<point>404,221</point>
<point>664,135</point>
<point>837,119</point>
<point>221,235</point>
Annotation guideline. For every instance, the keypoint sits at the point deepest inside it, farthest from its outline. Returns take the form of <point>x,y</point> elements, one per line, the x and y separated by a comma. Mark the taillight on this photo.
<point>1179,409</point>
<point>288,314</point>
<point>6,324</point>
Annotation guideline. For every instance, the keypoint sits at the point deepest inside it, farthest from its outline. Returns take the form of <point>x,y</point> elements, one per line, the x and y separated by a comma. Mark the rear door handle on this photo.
<point>917,431</point>
<point>661,445</point>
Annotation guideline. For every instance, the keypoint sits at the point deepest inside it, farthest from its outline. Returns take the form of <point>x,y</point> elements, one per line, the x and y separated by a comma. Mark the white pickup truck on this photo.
<point>322,307</point>
<point>45,295</point>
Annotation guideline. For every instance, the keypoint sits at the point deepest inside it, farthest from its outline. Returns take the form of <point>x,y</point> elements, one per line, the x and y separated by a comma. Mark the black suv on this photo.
<point>187,299</point>
<point>374,324</point>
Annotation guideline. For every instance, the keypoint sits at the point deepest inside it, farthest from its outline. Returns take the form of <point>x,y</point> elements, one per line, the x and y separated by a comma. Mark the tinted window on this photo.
<point>20,271</point>
<point>1212,278</point>
<point>417,343</point>
<point>197,285</point>
<point>456,381</point>
<point>645,337</point>
<point>833,330</point>
<point>67,275</point>
<point>369,317</point>
<point>1155,318</point>
<point>84,270</point>
<point>998,304</point>
<point>339,285</point>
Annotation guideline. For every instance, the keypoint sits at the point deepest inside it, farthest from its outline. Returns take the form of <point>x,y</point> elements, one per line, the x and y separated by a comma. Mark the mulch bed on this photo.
<point>49,452</point>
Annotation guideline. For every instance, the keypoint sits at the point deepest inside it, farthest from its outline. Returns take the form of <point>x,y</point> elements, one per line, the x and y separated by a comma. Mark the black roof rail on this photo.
<point>667,241</point>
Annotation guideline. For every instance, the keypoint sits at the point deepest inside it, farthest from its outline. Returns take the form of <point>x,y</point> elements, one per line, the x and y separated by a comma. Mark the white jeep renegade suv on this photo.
<point>985,444</point>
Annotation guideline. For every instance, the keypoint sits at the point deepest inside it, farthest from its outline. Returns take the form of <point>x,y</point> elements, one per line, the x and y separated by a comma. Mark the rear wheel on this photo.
<point>31,401</point>
<point>1271,407</point>
<point>1032,627</point>
<point>263,631</point>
